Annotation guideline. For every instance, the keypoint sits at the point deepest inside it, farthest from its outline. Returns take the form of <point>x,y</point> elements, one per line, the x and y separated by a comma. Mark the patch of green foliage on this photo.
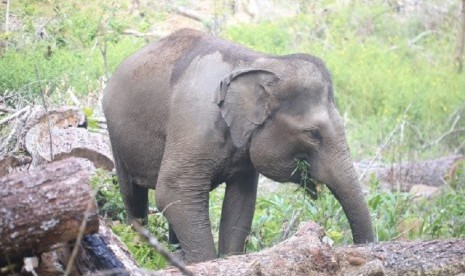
<point>108,195</point>
<point>111,207</point>
<point>394,216</point>
<point>76,47</point>
<point>145,255</point>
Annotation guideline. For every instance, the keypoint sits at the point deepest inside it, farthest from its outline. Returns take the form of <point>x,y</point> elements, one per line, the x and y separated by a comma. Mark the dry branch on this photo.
<point>153,242</point>
<point>14,115</point>
<point>191,14</point>
<point>5,109</point>
<point>44,207</point>
<point>139,34</point>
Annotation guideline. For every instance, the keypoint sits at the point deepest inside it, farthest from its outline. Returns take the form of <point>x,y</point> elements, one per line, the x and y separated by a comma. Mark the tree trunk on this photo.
<point>43,207</point>
<point>460,41</point>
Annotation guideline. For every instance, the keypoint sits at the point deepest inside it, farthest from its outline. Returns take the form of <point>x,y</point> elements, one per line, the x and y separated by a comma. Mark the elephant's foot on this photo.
<point>180,256</point>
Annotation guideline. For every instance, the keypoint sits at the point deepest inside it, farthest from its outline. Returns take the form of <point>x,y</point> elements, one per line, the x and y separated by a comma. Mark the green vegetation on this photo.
<point>278,215</point>
<point>395,85</point>
<point>379,70</point>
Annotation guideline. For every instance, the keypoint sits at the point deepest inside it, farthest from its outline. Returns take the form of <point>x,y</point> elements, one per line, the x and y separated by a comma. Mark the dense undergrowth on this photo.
<point>395,85</point>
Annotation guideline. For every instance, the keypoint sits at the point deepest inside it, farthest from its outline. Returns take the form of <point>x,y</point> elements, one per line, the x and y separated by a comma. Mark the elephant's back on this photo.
<point>141,81</point>
<point>136,103</point>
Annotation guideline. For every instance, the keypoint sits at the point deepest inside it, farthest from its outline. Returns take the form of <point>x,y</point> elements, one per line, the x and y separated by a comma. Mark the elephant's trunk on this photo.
<point>343,182</point>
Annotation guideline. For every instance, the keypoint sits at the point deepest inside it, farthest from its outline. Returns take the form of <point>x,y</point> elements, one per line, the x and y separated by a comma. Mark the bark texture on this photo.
<point>434,172</point>
<point>43,207</point>
<point>104,251</point>
<point>60,134</point>
<point>306,254</point>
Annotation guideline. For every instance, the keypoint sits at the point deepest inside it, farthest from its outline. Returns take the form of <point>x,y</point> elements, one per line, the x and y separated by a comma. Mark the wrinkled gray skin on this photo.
<point>192,111</point>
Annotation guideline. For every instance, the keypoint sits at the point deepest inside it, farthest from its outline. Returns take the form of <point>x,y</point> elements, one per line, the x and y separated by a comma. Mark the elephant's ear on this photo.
<point>244,98</point>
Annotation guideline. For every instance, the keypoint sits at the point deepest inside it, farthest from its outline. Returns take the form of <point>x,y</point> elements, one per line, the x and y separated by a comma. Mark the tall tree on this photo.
<point>460,41</point>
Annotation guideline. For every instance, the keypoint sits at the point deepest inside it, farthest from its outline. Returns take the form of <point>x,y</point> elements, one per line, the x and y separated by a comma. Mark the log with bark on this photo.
<point>43,207</point>
<point>60,134</point>
<point>403,176</point>
<point>104,251</point>
<point>306,253</point>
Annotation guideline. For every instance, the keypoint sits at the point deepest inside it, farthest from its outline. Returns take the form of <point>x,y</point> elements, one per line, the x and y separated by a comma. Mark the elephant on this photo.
<point>193,111</point>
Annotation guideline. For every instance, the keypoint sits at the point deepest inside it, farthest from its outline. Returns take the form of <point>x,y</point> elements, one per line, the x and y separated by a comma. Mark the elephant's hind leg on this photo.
<point>135,200</point>
<point>135,197</point>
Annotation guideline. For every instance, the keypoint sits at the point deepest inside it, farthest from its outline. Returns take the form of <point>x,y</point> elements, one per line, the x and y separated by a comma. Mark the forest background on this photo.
<point>397,79</point>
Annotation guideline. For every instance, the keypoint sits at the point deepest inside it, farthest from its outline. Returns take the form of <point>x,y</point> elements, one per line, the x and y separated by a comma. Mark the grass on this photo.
<point>381,61</point>
<point>377,74</point>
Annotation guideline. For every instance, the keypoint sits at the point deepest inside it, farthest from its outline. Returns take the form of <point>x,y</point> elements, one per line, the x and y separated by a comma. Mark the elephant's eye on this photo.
<point>315,134</point>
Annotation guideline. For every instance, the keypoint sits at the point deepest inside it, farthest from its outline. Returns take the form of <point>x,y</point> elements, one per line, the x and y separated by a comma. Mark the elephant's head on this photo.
<point>285,112</point>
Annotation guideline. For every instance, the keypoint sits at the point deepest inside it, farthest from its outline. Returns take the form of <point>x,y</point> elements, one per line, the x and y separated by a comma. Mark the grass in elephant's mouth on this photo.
<point>310,185</point>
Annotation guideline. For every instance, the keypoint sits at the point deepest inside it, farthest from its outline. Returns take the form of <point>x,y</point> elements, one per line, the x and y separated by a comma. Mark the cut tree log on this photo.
<point>434,172</point>
<point>43,207</point>
<point>305,253</point>
<point>104,251</point>
<point>67,137</point>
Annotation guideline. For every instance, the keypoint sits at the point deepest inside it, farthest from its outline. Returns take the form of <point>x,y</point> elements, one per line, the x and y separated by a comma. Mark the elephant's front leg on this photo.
<point>237,214</point>
<point>185,204</point>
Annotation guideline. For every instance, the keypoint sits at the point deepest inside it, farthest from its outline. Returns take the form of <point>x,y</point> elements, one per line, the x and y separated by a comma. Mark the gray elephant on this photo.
<point>192,111</point>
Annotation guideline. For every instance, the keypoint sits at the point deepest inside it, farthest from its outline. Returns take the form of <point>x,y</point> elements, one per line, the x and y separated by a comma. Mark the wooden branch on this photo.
<point>45,206</point>
<point>453,129</point>
<point>5,109</point>
<point>139,34</point>
<point>153,242</point>
<point>191,14</point>
<point>380,149</point>
<point>14,115</point>
<point>7,16</point>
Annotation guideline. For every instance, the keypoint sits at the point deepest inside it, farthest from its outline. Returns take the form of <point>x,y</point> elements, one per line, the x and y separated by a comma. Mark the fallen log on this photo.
<point>434,172</point>
<point>104,251</point>
<point>43,207</point>
<point>61,134</point>
<point>305,253</point>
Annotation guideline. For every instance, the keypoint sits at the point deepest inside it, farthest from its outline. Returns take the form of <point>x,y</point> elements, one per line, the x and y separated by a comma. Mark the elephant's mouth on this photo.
<point>302,176</point>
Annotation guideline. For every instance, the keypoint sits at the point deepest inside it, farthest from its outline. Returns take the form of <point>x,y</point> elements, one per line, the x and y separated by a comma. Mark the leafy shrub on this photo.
<point>108,195</point>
